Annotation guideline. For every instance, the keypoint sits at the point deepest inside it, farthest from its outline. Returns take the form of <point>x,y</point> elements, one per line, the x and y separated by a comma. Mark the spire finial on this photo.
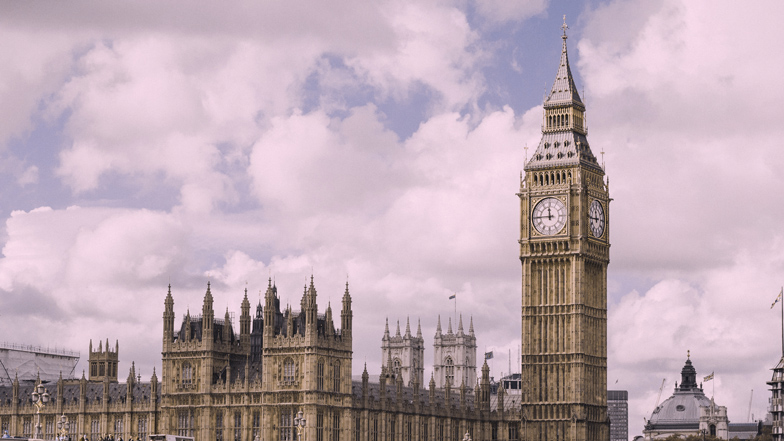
<point>564,27</point>
<point>688,354</point>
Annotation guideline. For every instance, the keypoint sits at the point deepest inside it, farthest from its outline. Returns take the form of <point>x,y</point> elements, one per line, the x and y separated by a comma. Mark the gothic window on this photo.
<point>118,427</point>
<point>336,376</point>
<point>335,426</point>
<point>396,366</point>
<point>407,428</point>
<point>494,431</point>
<point>219,425</point>
<point>320,374</point>
<point>320,425</point>
<point>95,428</point>
<point>712,430</point>
<point>187,374</point>
<point>237,426</point>
<point>392,424</point>
<point>424,429</point>
<point>450,371</point>
<point>49,428</point>
<point>27,427</point>
<point>142,427</point>
<point>512,431</point>
<point>288,370</point>
<point>357,427</point>
<point>184,423</point>
<point>256,424</point>
<point>374,427</point>
<point>286,424</point>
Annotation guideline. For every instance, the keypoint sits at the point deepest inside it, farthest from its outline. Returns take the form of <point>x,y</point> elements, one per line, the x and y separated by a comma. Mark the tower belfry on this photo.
<point>564,252</point>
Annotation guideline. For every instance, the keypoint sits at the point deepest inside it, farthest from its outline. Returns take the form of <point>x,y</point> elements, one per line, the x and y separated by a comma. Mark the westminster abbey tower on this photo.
<point>564,251</point>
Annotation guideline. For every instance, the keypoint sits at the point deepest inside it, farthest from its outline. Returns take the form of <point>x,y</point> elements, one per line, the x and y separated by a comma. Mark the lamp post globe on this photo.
<point>299,422</point>
<point>40,397</point>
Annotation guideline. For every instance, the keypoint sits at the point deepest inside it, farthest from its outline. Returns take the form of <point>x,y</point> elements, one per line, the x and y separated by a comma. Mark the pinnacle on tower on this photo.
<point>460,326</point>
<point>419,329</point>
<point>471,327</point>
<point>386,329</point>
<point>408,328</point>
<point>397,333</point>
<point>438,326</point>
<point>449,327</point>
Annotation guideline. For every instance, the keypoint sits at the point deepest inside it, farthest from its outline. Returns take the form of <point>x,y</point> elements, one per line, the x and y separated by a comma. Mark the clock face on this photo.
<point>596,218</point>
<point>549,216</point>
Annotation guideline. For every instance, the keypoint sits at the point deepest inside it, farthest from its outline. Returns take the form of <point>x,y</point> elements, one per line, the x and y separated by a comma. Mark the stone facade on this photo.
<point>404,354</point>
<point>454,355</point>
<point>219,384</point>
<point>564,251</point>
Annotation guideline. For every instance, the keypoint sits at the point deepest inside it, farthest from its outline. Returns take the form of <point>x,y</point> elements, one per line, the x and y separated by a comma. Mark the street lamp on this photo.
<point>299,421</point>
<point>40,398</point>
<point>63,426</point>
<point>466,437</point>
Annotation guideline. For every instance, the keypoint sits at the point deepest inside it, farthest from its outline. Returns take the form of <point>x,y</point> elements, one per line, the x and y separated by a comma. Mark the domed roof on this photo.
<point>683,407</point>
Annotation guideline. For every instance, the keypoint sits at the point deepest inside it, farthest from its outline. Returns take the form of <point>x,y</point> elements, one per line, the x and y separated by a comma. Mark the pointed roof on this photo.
<point>419,329</point>
<point>564,90</point>
<point>408,328</point>
<point>565,143</point>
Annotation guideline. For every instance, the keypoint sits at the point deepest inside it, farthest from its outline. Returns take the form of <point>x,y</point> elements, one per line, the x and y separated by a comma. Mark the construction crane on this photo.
<point>748,419</point>
<point>661,388</point>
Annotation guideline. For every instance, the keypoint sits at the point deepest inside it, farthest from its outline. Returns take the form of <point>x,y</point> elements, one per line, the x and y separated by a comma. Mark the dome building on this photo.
<point>687,412</point>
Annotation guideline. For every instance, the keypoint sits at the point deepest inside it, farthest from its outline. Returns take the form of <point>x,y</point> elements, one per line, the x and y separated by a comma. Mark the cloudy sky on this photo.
<point>149,143</point>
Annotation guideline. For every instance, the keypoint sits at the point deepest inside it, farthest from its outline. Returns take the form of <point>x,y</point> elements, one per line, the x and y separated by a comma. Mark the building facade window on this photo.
<point>319,425</point>
<point>237,426</point>
<point>49,428</point>
<point>449,369</point>
<point>95,428</point>
<point>392,424</point>
<point>513,431</point>
<point>118,427</point>
<point>185,423</point>
<point>219,425</point>
<point>286,424</point>
<point>142,428</point>
<point>187,374</point>
<point>335,426</point>
<point>27,427</point>
<point>256,424</point>
<point>357,428</point>
<point>320,374</point>
<point>288,371</point>
<point>374,427</point>
<point>336,376</point>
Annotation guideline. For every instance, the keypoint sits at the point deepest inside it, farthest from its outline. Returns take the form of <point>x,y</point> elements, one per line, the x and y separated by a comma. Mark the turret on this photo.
<point>208,318</point>
<point>227,331</point>
<point>245,321</point>
<point>271,307</point>
<point>168,321</point>
<point>330,328</point>
<point>346,316</point>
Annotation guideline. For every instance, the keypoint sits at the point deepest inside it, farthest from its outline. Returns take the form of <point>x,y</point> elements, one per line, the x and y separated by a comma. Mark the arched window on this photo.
<point>396,366</point>
<point>713,430</point>
<point>187,374</point>
<point>336,376</point>
<point>320,374</point>
<point>449,369</point>
<point>288,370</point>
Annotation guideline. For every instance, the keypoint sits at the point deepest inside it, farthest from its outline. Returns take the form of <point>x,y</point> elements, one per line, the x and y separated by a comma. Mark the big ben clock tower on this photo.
<point>564,251</point>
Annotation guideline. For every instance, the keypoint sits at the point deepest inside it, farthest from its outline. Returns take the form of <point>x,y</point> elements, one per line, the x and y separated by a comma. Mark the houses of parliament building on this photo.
<point>219,383</point>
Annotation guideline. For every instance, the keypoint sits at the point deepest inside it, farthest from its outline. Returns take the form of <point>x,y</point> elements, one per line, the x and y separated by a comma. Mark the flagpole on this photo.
<point>782,322</point>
